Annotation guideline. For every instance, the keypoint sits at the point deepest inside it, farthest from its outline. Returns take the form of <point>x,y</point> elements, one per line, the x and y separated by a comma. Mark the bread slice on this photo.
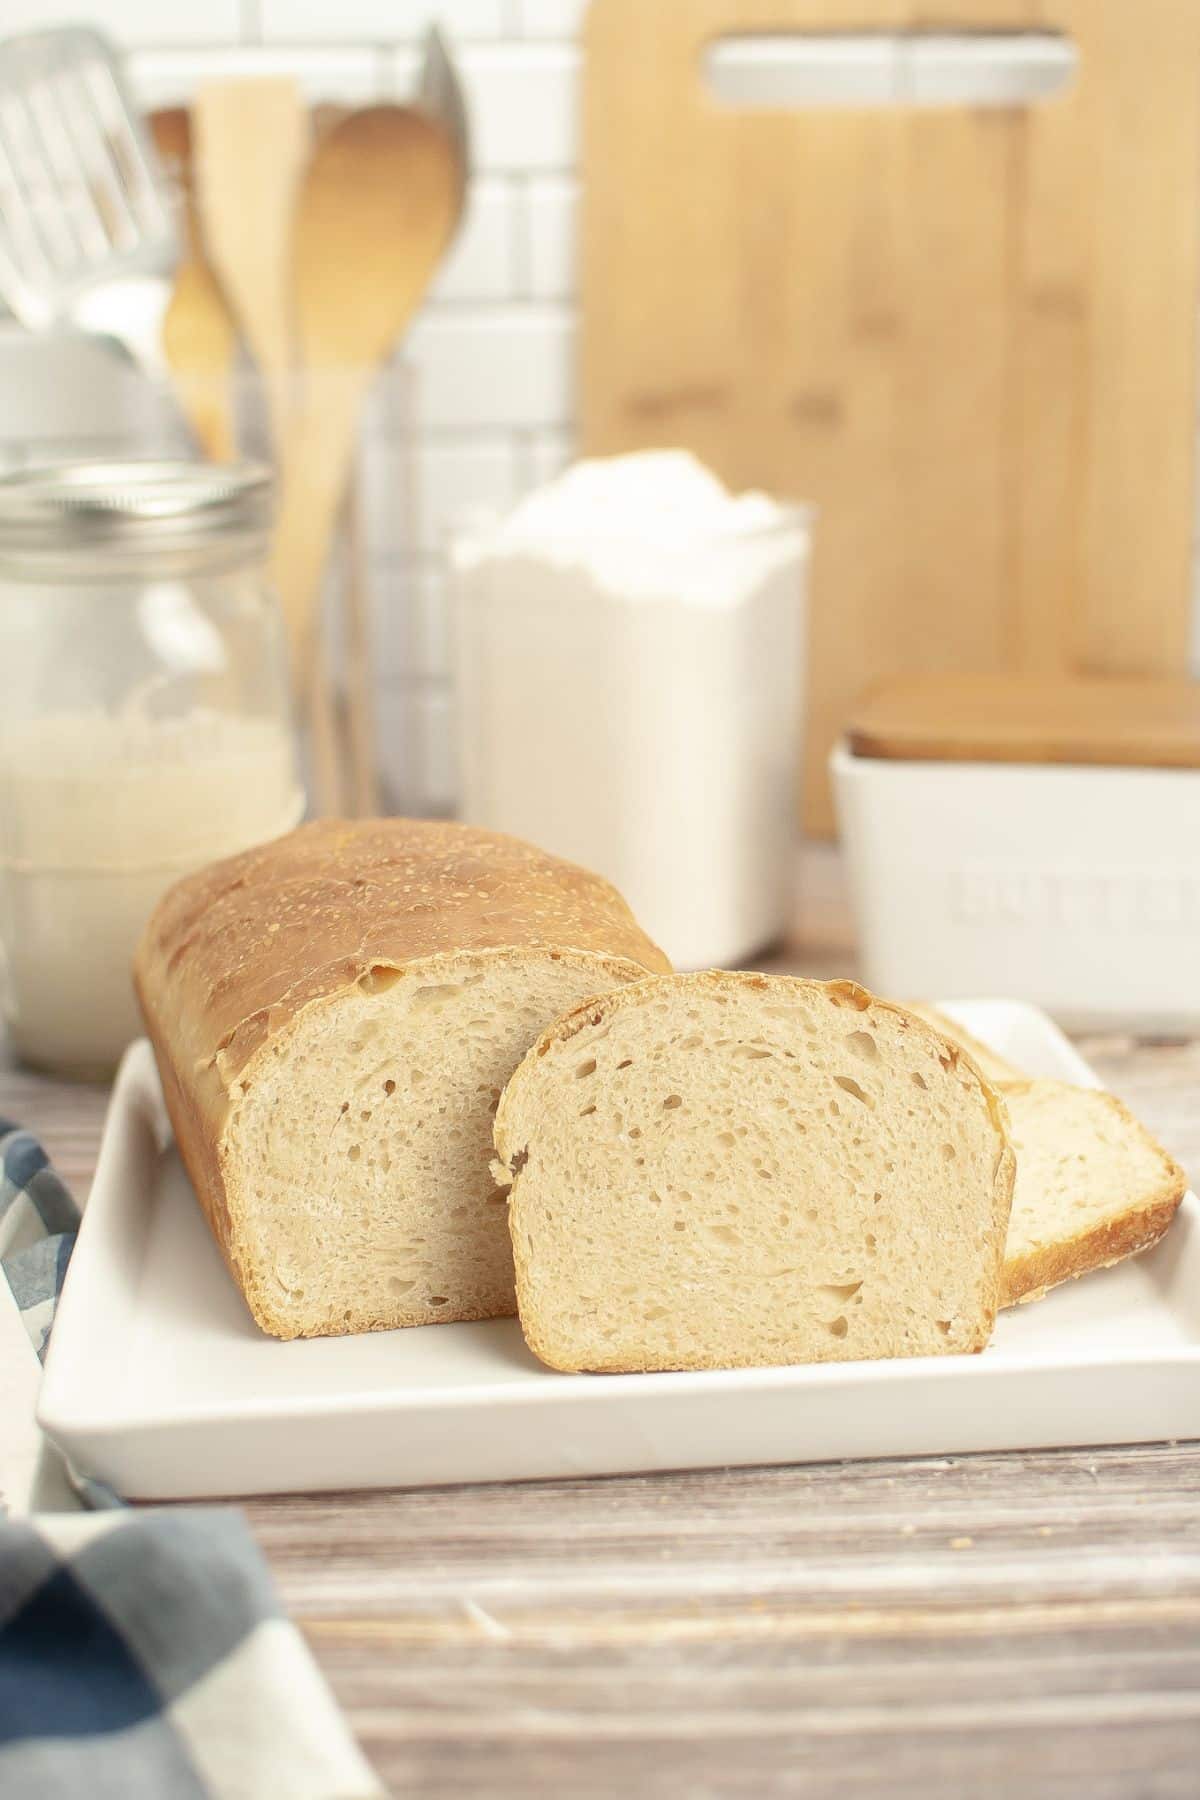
<point>997,1068</point>
<point>334,1016</point>
<point>1092,1186</point>
<point>712,1171</point>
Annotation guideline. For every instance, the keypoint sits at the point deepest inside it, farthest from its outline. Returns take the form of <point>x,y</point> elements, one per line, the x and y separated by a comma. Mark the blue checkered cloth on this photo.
<point>38,1223</point>
<point>143,1653</point>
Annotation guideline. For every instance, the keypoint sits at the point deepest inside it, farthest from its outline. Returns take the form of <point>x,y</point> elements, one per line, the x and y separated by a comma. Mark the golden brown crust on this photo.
<point>234,953</point>
<point>843,992</point>
<point>1029,1277</point>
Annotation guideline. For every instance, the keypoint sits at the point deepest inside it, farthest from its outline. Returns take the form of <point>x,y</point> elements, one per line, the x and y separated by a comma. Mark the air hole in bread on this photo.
<point>945,1327</point>
<point>752,1052</point>
<point>838,1327</point>
<point>586,1112</point>
<point>433,996</point>
<point>438,1300</point>
<point>864,1045</point>
<point>585,1069</point>
<point>389,1087</point>
<point>627,1064</point>
<point>949,1153</point>
<point>672,1101</point>
<point>396,1286</point>
<point>841,1292</point>
<point>849,1086</point>
<point>353,1153</point>
<point>365,1116</point>
<point>920,1081</point>
<point>379,978</point>
<point>727,1139</point>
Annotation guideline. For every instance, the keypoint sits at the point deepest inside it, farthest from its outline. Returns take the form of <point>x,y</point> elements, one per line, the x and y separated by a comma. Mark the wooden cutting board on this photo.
<point>967,334</point>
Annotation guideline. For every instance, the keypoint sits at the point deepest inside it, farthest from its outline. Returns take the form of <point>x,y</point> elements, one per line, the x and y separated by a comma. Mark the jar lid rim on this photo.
<point>132,504</point>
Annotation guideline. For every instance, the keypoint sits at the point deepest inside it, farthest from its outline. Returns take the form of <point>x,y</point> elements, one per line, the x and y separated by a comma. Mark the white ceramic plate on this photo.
<point>159,1384</point>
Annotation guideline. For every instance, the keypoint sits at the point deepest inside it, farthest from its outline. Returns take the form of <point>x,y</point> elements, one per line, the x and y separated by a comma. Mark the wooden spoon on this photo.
<point>199,336</point>
<point>376,212</point>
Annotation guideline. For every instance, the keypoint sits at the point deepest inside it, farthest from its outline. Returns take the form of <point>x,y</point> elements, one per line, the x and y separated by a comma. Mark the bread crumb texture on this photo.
<point>718,1170</point>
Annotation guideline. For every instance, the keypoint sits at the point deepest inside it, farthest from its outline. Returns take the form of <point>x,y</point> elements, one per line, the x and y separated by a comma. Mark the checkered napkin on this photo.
<point>143,1654</point>
<point>38,1222</point>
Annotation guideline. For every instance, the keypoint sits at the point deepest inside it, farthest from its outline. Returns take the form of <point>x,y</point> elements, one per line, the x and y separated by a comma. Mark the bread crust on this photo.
<point>844,993</point>
<point>1029,1277</point>
<point>234,954</point>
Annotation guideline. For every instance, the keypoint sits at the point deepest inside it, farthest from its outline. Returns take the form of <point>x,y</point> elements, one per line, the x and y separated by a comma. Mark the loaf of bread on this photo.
<point>1093,1186</point>
<point>710,1171</point>
<point>335,1015</point>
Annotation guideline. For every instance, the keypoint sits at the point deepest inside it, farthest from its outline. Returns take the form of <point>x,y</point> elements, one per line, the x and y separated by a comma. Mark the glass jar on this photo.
<point>145,727</point>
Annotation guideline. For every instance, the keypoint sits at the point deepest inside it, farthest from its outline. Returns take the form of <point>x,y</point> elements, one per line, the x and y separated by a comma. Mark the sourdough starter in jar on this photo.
<point>145,732</point>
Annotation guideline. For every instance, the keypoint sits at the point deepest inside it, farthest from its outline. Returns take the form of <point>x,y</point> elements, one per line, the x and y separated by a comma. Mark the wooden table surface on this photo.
<point>1023,1624</point>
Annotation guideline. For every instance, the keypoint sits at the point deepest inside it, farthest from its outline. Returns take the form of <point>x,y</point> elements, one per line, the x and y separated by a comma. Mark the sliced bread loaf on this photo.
<point>334,1016</point>
<point>715,1170</point>
<point>1092,1186</point>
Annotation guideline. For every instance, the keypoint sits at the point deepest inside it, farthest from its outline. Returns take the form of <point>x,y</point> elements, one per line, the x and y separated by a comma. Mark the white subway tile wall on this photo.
<point>380,21</point>
<point>552,205</point>
<point>136,21</point>
<point>479,408</point>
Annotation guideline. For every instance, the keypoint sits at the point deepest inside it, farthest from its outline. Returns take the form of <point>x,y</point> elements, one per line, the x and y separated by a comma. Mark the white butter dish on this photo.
<point>1037,839</point>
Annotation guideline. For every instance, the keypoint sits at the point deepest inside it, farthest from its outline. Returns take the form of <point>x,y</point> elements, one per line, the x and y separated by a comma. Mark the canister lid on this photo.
<point>1113,721</point>
<point>134,508</point>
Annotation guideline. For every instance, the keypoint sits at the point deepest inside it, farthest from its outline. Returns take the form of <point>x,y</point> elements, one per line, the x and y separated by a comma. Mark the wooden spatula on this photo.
<point>199,336</point>
<point>377,209</point>
<point>251,144</point>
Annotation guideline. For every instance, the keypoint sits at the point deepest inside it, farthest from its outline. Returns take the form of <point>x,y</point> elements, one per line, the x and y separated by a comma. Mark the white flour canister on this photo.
<point>628,663</point>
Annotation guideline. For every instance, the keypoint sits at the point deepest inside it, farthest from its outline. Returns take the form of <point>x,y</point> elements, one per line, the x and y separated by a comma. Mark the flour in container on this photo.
<point>99,812</point>
<point>629,665</point>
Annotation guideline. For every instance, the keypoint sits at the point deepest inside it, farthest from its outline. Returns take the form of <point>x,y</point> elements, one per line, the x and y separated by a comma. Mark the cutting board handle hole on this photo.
<point>790,69</point>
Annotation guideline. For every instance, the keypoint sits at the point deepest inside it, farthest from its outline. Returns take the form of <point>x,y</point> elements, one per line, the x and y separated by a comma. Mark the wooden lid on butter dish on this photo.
<point>1116,722</point>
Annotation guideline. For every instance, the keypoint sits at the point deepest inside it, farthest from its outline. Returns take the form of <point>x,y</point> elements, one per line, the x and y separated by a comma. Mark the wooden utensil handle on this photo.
<point>315,465</point>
